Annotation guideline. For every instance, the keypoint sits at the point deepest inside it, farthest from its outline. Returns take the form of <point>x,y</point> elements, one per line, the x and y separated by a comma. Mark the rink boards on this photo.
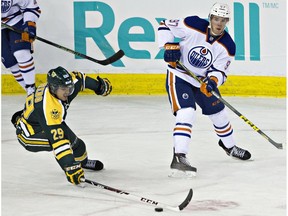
<point>154,84</point>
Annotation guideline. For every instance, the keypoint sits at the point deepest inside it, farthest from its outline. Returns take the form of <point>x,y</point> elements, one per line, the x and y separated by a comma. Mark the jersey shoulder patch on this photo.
<point>76,75</point>
<point>228,43</point>
<point>79,80</point>
<point>196,23</point>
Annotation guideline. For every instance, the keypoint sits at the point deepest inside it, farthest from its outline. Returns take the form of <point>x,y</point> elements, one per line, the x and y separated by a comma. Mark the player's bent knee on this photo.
<point>220,117</point>
<point>186,115</point>
<point>22,55</point>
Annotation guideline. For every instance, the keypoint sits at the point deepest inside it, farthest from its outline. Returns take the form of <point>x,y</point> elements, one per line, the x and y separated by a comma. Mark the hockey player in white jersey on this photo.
<point>206,49</point>
<point>16,50</point>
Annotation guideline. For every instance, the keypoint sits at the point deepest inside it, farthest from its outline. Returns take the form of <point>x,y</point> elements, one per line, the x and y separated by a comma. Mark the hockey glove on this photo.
<point>104,88</point>
<point>74,173</point>
<point>16,116</point>
<point>209,84</point>
<point>172,53</point>
<point>29,33</point>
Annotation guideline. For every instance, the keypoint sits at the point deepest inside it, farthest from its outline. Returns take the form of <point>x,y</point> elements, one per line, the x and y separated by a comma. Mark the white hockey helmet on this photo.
<point>221,10</point>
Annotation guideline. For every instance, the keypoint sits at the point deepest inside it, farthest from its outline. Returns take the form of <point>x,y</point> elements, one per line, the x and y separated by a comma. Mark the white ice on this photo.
<point>132,135</point>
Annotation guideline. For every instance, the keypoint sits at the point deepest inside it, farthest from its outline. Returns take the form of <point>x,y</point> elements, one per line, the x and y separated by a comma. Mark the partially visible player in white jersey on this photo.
<point>16,50</point>
<point>207,50</point>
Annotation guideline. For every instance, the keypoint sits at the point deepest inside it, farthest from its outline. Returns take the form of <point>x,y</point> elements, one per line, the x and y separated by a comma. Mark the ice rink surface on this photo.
<point>132,135</point>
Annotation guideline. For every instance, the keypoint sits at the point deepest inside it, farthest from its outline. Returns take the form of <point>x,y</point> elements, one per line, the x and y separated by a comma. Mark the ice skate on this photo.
<point>181,167</point>
<point>236,152</point>
<point>93,165</point>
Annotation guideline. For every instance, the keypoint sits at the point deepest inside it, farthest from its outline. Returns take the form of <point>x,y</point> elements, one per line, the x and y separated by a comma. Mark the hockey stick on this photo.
<point>277,145</point>
<point>107,61</point>
<point>143,199</point>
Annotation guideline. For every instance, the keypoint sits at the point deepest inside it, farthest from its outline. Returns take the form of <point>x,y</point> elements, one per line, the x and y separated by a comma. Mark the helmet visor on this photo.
<point>68,89</point>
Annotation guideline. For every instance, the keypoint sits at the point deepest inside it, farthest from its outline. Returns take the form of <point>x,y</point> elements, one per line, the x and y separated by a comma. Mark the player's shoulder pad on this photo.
<point>228,43</point>
<point>196,23</point>
<point>76,75</point>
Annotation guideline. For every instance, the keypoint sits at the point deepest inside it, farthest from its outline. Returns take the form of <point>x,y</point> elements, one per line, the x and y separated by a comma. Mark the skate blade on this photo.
<point>181,174</point>
<point>237,159</point>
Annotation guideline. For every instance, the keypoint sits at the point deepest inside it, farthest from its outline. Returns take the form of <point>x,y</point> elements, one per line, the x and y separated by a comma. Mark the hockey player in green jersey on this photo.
<point>42,127</point>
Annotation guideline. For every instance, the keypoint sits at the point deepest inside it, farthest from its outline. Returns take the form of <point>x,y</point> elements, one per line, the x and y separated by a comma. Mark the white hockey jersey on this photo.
<point>201,53</point>
<point>12,11</point>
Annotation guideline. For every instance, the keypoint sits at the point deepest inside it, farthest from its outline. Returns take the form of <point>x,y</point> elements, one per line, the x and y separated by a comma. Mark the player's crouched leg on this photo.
<point>34,143</point>
<point>80,154</point>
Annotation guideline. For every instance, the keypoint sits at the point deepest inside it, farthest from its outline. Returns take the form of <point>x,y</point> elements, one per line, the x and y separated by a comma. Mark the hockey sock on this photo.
<point>17,75</point>
<point>223,128</point>
<point>26,65</point>
<point>183,129</point>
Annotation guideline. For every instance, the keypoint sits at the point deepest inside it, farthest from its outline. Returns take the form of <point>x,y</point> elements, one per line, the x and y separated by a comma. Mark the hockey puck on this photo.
<point>158,209</point>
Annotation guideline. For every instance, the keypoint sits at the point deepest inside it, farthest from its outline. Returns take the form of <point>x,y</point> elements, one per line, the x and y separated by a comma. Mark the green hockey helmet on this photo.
<point>59,78</point>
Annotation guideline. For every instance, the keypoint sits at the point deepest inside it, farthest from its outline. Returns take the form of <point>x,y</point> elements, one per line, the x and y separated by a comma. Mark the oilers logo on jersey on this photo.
<point>6,5</point>
<point>200,57</point>
<point>185,96</point>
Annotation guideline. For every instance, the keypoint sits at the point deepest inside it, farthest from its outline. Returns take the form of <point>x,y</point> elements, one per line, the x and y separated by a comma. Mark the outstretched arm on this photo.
<point>101,86</point>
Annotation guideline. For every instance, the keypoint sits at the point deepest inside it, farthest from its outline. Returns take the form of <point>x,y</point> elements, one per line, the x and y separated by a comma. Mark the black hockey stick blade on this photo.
<point>118,55</point>
<point>112,58</point>
<point>277,145</point>
<point>186,201</point>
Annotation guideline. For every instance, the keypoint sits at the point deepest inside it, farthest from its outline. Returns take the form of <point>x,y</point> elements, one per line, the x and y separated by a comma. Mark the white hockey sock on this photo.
<point>17,75</point>
<point>223,128</point>
<point>183,129</point>
<point>26,66</point>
